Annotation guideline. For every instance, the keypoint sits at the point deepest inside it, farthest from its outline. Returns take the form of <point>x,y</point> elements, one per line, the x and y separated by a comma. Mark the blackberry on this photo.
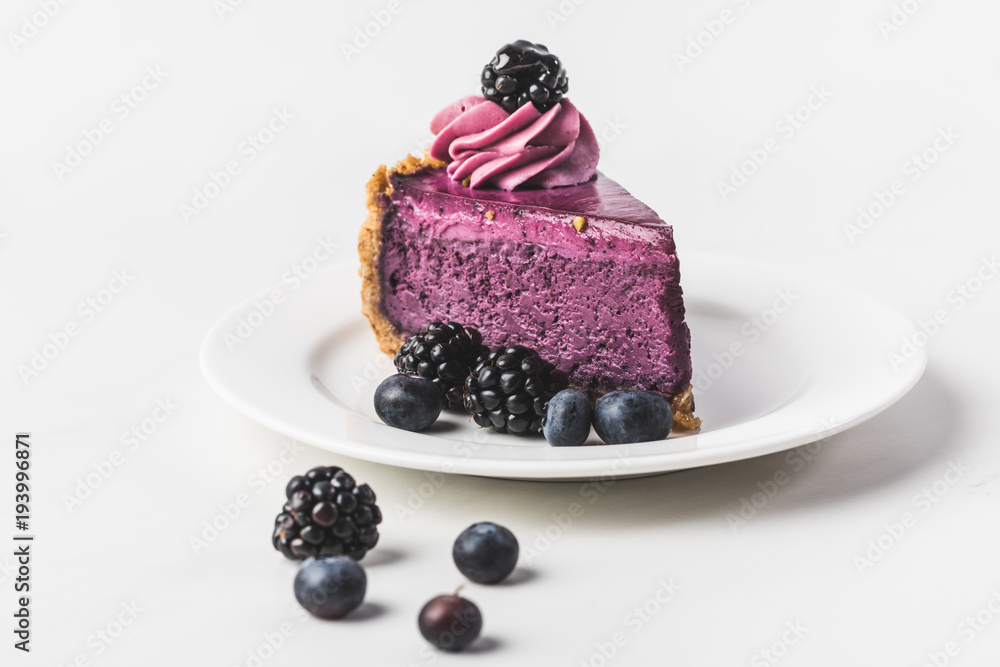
<point>442,354</point>
<point>523,72</point>
<point>509,389</point>
<point>327,514</point>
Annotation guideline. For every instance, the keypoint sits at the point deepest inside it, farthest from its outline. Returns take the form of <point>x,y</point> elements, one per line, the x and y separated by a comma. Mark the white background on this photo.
<point>683,129</point>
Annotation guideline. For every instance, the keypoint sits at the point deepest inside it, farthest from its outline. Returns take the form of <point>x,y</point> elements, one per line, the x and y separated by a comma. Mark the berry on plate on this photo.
<point>409,402</point>
<point>567,419</point>
<point>509,388</point>
<point>622,417</point>
<point>443,355</point>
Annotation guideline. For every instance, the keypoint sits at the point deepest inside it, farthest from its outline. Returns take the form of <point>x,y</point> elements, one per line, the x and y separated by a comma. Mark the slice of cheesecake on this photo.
<point>587,275</point>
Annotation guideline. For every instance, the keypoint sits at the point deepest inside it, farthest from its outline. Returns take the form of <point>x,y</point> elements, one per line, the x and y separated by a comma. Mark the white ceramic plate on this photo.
<point>780,360</point>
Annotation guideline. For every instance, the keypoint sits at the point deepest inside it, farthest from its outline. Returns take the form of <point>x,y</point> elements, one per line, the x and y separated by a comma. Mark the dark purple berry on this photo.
<point>522,73</point>
<point>346,502</point>
<point>509,388</point>
<point>322,490</point>
<point>450,623</point>
<point>317,475</point>
<point>443,355</point>
<point>303,549</point>
<point>297,483</point>
<point>301,501</point>
<point>325,513</point>
<point>327,517</point>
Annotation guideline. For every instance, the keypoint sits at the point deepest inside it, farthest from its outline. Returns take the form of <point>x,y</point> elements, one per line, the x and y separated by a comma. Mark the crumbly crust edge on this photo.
<point>389,338</point>
<point>378,191</point>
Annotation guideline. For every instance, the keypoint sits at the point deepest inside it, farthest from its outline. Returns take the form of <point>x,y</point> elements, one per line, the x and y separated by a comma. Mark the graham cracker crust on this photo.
<point>388,336</point>
<point>370,245</point>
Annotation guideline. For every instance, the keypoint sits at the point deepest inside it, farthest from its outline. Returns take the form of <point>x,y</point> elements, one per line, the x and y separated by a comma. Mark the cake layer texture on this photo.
<point>587,275</point>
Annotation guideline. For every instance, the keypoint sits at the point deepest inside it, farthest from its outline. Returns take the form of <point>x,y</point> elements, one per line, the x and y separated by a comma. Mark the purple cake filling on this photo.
<point>604,304</point>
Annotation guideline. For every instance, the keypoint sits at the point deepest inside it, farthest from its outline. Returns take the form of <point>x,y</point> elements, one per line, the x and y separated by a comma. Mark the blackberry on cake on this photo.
<point>443,354</point>
<point>327,514</point>
<point>522,72</point>
<point>509,388</point>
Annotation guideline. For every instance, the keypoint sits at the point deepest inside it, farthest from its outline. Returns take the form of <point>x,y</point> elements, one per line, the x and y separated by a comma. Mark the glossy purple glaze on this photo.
<point>604,304</point>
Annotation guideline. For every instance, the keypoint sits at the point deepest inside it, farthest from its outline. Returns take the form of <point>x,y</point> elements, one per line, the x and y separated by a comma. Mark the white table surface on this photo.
<point>674,133</point>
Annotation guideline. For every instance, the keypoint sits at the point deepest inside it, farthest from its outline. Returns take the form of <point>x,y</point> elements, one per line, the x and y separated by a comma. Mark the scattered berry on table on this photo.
<point>442,354</point>
<point>509,388</point>
<point>485,552</point>
<point>450,622</point>
<point>622,417</point>
<point>409,402</point>
<point>327,514</point>
<point>330,587</point>
<point>567,419</point>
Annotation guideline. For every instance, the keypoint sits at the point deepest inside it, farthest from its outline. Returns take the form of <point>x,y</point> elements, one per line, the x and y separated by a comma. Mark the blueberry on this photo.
<point>450,623</point>
<point>567,419</point>
<point>409,402</point>
<point>485,552</point>
<point>621,417</point>
<point>330,587</point>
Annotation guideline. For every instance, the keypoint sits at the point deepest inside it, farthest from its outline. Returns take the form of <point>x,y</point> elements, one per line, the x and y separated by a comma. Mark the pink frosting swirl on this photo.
<point>492,148</point>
